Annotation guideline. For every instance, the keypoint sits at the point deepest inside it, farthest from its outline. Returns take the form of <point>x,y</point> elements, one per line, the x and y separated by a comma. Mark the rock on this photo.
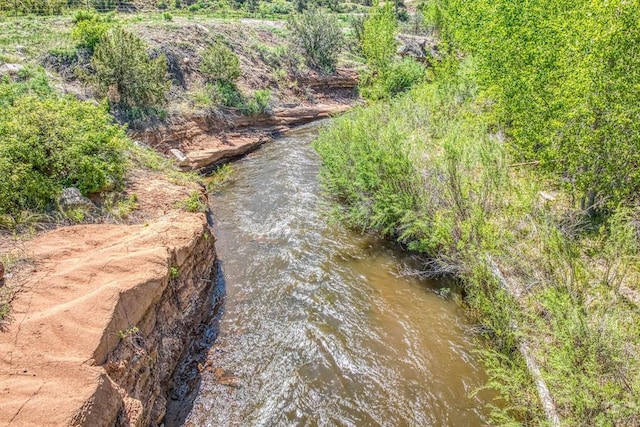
<point>1,273</point>
<point>11,70</point>
<point>421,48</point>
<point>71,198</point>
<point>179,157</point>
<point>229,382</point>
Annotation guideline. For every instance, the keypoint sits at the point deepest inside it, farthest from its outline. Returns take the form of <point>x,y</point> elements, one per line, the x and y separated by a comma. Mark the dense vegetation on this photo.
<point>564,76</point>
<point>520,158</point>
<point>48,143</point>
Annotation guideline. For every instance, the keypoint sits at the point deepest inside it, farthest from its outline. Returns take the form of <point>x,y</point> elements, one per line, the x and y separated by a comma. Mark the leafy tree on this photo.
<point>565,78</point>
<point>378,36</point>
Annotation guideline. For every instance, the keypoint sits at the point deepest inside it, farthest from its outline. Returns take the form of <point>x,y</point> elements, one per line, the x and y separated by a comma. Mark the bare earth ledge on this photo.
<point>208,139</point>
<point>102,321</point>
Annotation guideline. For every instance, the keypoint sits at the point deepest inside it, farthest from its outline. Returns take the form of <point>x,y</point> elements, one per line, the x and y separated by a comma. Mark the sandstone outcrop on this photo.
<point>102,321</point>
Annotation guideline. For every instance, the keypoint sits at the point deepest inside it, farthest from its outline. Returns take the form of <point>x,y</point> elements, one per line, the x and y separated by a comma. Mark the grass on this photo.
<point>431,171</point>
<point>27,39</point>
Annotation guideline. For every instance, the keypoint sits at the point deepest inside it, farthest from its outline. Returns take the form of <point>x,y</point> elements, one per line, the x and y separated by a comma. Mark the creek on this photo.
<point>317,326</point>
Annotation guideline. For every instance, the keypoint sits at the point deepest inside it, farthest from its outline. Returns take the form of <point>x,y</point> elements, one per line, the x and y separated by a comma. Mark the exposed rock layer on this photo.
<point>208,139</point>
<point>102,321</point>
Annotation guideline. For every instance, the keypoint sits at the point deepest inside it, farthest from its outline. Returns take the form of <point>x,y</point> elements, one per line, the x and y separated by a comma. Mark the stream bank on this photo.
<point>317,326</point>
<point>105,313</point>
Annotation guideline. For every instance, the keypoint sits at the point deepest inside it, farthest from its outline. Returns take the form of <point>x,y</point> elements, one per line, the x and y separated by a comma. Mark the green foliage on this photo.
<point>319,36</point>
<point>32,82</point>
<point>225,94</point>
<point>222,175</point>
<point>259,103</point>
<point>427,171</point>
<point>49,144</point>
<point>194,203</point>
<point>386,76</point>
<point>378,36</point>
<point>117,207</point>
<point>132,330</point>
<point>167,16</point>
<point>132,82</point>
<point>565,77</point>
<point>398,77</point>
<point>88,31</point>
<point>83,15</point>
<point>40,7</point>
<point>220,64</point>
<point>373,163</point>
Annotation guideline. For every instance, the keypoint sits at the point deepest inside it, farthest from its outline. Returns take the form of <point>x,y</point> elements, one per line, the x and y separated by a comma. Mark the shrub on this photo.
<point>319,36</point>
<point>378,36</point>
<point>220,64</point>
<point>41,7</point>
<point>397,78</point>
<point>258,103</point>
<point>167,16</point>
<point>32,82</point>
<point>49,144</point>
<point>124,73</point>
<point>88,32</point>
<point>226,94</point>
<point>83,15</point>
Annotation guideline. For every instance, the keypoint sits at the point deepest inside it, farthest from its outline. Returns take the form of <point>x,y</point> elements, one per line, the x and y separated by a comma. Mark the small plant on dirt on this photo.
<point>167,16</point>
<point>219,178</point>
<point>193,203</point>
<point>220,64</point>
<point>120,208</point>
<point>259,103</point>
<point>134,84</point>
<point>132,330</point>
<point>76,215</point>
<point>174,272</point>
<point>319,36</point>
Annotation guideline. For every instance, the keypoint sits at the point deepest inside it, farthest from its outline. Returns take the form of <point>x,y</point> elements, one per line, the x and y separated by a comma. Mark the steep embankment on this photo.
<point>199,141</point>
<point>103,315</point>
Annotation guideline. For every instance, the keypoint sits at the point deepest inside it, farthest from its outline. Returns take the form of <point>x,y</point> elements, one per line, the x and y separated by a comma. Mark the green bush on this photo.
<point>220,64</point>
<point>564,77</point>
<point>83,15</point>
<point>40,7</point>
<point>258,103</point>
<point>379,36</point>
<point>32,82</point>
<point>398,77</point>
<point>320,37</point>
<point>124,73</point>
<point>88,32</point>
<point>226,94</point>
<point>49,144</point>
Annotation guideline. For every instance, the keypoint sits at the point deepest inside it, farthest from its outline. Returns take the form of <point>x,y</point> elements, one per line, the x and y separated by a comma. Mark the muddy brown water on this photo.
<point>317,327</point>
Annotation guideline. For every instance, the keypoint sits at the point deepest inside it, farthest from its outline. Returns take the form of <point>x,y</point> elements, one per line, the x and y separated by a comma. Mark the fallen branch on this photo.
<point>543,391</point>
